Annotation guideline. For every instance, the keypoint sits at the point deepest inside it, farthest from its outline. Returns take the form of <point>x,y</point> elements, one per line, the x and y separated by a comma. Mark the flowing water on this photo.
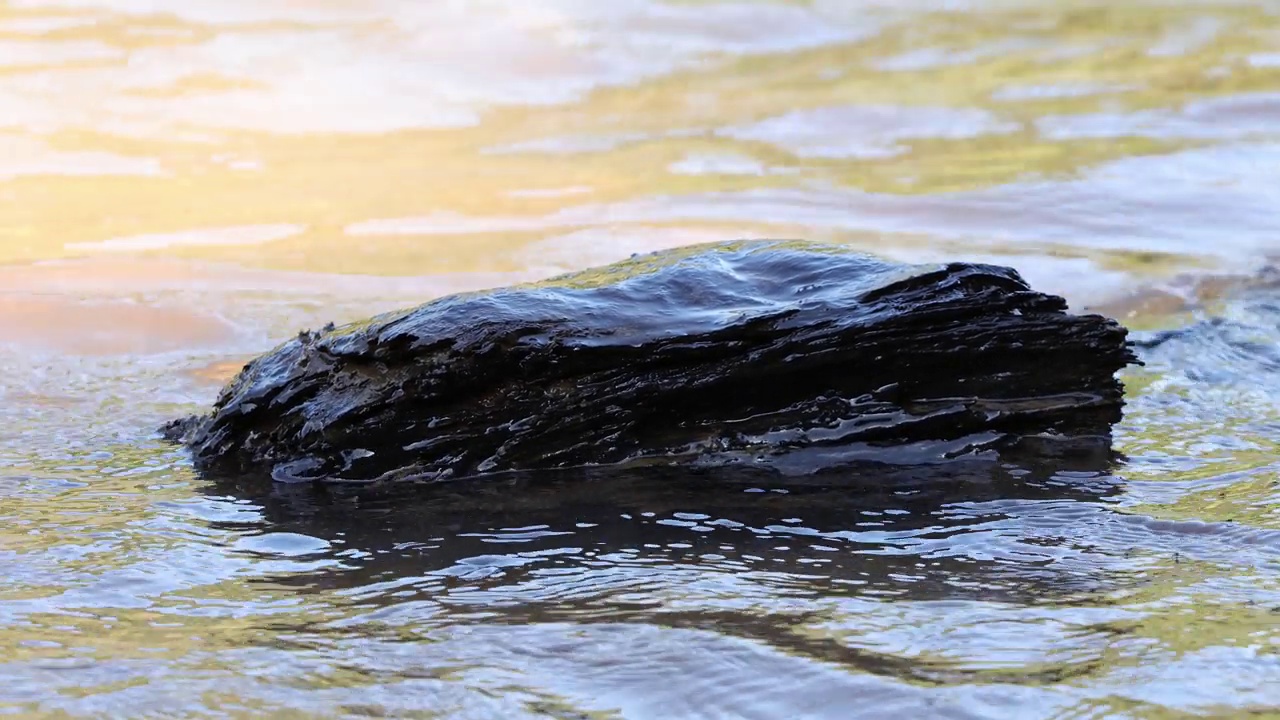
<point>184,183</point>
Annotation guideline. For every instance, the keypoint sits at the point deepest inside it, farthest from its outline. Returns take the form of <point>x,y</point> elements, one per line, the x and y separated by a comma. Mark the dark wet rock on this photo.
<point>784,356</point>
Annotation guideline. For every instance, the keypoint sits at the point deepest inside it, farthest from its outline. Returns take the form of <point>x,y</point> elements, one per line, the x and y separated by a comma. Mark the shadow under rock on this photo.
<point>724,550</point>
<point>856,530</point>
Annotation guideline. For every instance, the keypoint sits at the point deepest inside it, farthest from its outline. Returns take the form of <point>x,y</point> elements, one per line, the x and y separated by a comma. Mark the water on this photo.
<point>183,184</point>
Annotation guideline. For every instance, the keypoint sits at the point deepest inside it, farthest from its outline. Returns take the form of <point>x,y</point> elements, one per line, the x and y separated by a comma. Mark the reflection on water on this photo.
<point>182,184</point>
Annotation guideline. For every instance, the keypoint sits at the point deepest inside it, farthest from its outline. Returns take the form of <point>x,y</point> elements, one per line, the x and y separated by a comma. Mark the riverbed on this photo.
<point>185,184</point>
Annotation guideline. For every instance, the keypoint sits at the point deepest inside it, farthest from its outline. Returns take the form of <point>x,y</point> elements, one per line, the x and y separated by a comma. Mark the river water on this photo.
<point>183,184</point>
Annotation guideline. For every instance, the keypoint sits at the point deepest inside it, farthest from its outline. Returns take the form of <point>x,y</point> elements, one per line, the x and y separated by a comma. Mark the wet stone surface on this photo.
<point>780,355</point>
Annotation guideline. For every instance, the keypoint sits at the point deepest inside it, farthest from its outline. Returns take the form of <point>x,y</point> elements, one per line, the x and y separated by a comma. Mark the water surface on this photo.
<point>183,184</point>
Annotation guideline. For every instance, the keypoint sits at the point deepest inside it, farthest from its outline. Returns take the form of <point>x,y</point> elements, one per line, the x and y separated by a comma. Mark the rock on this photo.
<point>784,355</point>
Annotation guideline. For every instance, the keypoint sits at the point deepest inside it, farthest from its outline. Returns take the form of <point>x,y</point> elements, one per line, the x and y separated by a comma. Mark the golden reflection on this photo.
<point>110,327</point>
<point>207,121</point>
